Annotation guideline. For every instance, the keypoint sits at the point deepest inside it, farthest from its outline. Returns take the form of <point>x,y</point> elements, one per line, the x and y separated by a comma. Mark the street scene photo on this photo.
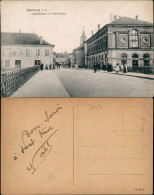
<point>77,49</point>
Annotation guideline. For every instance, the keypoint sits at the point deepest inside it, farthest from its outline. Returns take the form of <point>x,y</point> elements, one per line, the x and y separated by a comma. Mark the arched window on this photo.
<point>123,55</point>
<point>146,58</point>
<point>135,59</point>
<point>133,37</point>
<point>123,58</point>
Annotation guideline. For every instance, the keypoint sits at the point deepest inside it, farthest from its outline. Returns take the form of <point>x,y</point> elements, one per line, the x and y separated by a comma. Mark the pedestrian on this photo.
<point>121,67</point>
<point>41,67</point>
<point>95,67</point>
<point>125,68</point>
<point>117,68</point>
<point>50,67</point>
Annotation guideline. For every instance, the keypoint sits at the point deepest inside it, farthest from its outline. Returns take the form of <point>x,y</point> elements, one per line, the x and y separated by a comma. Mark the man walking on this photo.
<point>41,67</point>
<point>95,67</point>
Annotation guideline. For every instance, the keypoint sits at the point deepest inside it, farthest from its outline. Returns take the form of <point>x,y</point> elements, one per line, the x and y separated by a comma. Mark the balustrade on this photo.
<point>11,81</point>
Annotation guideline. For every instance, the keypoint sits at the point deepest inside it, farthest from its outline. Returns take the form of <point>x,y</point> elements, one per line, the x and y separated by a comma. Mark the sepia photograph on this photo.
<point>77,49</point>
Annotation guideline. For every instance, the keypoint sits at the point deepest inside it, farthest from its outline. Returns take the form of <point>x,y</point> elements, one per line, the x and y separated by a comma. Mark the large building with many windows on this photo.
<point>22,50</point>
<point>123,41</point>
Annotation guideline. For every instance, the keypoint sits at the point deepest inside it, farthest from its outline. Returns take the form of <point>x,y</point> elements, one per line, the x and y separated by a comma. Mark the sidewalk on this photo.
<point>43,84</point>
<point>133,74</point>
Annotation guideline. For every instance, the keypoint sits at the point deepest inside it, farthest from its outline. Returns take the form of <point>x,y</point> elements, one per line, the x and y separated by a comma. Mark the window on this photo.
<point>133,37</point>
<point>7,63</point>
<point>27,52</point>
<point>38,52</point>
<point>135,59</point>
<point>18,52</point>
<point>17,62</point>
<point>146,58</point>
<point>37,62</point>
<point>123,58</point>
<point>46,52</point>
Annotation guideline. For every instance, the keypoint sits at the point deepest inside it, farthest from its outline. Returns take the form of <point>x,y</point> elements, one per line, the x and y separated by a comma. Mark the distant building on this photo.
<point>61,57</point>
<point>78,54</point>
<point>123,41</point>
<point>61,60</point>
<point>22,50</point>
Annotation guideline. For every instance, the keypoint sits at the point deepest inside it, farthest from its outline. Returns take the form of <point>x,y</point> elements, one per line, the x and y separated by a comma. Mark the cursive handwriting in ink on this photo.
<point>31,138</point>
<point>43,131</point>
<point>41,154</point>
<point>27,134</point>
<point>49,116</point>
<point>27,146</point>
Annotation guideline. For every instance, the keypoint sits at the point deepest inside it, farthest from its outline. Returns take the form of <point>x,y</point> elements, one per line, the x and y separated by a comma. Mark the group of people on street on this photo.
<point>122,68</point>
<point>46,67</point>
<point>96,66</point>
<point>109,68</point>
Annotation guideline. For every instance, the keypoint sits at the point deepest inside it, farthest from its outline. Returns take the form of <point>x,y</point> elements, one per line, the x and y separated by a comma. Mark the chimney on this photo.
<point>115,17</point>
<point>98,27</point>
<point>41,40</point>
<point>136,17</point>
<point>92,32</point>
<point>19,30</point>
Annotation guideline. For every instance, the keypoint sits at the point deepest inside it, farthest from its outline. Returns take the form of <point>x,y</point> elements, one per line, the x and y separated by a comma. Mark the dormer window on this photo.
<point>134,39</point>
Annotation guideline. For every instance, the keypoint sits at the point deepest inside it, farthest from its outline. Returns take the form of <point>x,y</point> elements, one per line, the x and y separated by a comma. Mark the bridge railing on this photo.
<point>11,81</point>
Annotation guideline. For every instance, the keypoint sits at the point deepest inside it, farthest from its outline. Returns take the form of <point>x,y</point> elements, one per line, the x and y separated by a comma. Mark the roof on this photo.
<point>80,47</point>
<point>22,39</point>
<point>83,34</point>
<point>129,21</point>
<point>124,21</point>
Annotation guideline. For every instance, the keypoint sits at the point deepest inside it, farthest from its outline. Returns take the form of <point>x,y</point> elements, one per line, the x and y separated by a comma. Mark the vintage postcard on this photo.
<point>77,48</point>
<point>77,146</point>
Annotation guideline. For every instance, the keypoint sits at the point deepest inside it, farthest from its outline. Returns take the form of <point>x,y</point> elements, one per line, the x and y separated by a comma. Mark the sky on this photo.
<point>64,28</point>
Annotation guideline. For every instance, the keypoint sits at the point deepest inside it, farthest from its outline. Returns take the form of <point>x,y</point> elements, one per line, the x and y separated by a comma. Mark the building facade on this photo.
<point>124,41</point>
<point>22,50</point>
<point>78,54</point>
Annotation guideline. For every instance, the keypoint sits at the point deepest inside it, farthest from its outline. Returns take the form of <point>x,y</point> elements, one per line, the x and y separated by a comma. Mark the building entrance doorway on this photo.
<point>135,60</point>
<point>146,58</point>
<point>123,59</point>
<point>37,62</point>
<point>18,64</point>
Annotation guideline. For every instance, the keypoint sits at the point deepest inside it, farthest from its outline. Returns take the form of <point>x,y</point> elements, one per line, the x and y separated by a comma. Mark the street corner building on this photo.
<point>78,58</point>
<point>24,50</point>
<point>124,41</point>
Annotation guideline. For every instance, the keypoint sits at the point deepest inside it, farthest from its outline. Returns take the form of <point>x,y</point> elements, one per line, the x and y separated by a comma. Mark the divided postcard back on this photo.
<point>77,146</point>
